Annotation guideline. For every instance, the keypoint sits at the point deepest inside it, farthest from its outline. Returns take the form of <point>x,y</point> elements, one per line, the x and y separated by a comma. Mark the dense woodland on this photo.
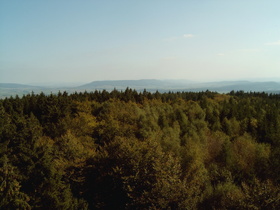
<point>140,150</point>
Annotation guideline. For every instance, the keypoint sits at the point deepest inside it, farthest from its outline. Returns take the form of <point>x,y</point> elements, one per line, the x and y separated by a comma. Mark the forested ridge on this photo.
<point>140,150</point>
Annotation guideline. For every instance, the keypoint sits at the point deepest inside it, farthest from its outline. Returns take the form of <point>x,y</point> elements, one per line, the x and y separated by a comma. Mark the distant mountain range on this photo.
<point>12,89</point>
<point>148,84</point>
<point>15,85</point>
<point>182,85</point>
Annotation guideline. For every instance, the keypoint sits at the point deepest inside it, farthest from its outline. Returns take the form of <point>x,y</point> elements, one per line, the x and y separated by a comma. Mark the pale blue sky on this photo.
<point>81,41</point>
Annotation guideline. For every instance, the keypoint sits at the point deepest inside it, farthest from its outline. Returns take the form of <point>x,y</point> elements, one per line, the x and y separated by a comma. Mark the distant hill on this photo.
<point>148,84</point>
<point>15,85</point>
<point>246,86</point>
<point>152,85</point>
<point>182,85</point>
<point>13,89</point>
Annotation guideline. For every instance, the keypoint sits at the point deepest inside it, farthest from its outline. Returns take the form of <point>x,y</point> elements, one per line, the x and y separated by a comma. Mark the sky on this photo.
<point>66,41</point>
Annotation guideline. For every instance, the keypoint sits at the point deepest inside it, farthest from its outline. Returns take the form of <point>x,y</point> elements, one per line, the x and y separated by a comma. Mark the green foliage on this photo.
<point>261,195</point>
<point>130,150</point>
<point>10,194</point>
<point>223,196</point>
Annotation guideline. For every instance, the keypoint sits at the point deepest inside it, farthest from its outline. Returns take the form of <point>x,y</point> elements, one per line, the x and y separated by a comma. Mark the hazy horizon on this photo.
<point>180,81</point>
<point>73,42</point>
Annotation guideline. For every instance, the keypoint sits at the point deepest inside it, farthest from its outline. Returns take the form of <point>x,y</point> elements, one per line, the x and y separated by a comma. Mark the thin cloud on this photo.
<point>273,43</point>
<point>188,36</point>
<point>175,38</point>
<point>220,54</point>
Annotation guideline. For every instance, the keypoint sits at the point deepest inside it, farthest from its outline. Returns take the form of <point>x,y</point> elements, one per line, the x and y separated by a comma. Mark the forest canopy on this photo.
<point>140,150</point>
